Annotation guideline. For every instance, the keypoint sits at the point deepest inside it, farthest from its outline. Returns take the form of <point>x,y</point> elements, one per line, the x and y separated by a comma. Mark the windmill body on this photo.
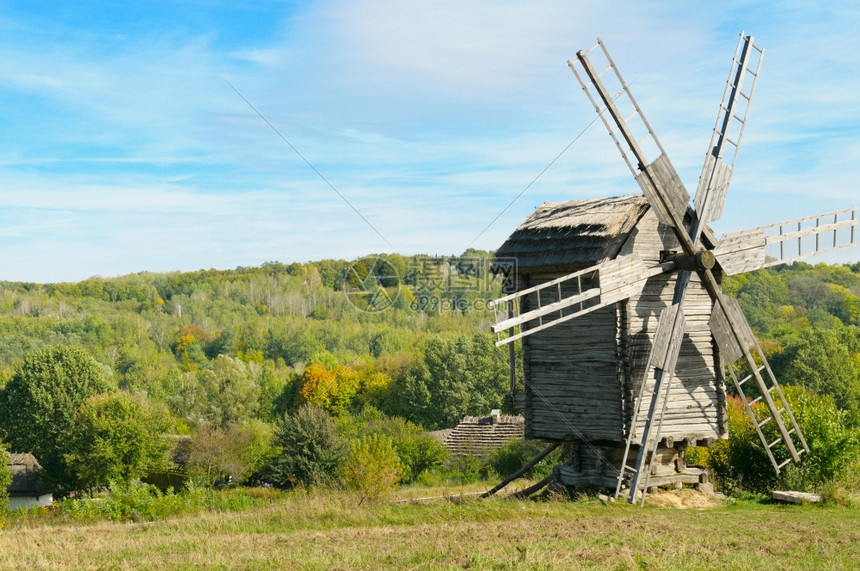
<point>584,375</point>
<point>616,303</point>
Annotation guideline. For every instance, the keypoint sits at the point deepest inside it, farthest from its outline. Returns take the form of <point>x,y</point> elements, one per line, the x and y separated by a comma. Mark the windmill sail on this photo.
<point>728,131</point>
<point>786,242</point>
<point>736,342</point>
<point>572,295</point>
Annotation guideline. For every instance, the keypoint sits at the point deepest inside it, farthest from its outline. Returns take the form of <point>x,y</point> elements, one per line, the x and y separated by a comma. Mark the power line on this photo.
<point>307,162</point>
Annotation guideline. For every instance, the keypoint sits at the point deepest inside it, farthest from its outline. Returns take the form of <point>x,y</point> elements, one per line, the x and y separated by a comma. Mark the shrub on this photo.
<point>515,453</point>
<point>311,452</point>
<point>5,477</point>
<point>143,502</point>
<point>741,463</point>
<point>468,469</point>
<point>372,467</point>
<point>834,447</point>
<point>418,451</point>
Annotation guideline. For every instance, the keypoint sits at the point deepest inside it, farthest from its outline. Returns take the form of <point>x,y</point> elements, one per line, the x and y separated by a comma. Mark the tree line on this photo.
<point>223,360</point>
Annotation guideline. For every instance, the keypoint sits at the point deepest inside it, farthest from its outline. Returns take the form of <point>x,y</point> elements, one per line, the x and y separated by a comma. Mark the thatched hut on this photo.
<point>26,489</point>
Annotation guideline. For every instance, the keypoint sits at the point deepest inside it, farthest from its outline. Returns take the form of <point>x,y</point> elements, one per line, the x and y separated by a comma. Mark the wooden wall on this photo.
<point>696,408</point>
<point>574,376</point>
<point>583,375</point>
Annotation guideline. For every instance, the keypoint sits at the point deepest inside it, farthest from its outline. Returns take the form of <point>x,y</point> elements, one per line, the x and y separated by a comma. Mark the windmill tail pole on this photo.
<point>528,466</point>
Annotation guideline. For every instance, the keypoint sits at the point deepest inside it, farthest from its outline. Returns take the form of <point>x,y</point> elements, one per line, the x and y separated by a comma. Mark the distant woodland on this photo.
<point>405,337</point>
<point>273,333</point>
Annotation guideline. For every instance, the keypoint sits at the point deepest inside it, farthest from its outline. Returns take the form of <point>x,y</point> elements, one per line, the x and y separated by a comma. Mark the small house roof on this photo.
<point>25,475</point>
<point>566,236</point>
<point>478,434</point>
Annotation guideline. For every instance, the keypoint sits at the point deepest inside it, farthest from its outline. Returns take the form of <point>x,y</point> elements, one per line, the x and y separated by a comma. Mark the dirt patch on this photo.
<point>686,499</point>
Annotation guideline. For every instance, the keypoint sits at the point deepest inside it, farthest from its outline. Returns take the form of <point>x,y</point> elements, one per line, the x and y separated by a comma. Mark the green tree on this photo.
<point>273,380</point>
<point>38,406</point>
<point>457,377</point>
<point>222,394</point>
<point>117,437</point>
<point>310,450</point>
<point>759,294</point>
<point>292,343</point>
<point>822,360</point>
<point>219,456</point>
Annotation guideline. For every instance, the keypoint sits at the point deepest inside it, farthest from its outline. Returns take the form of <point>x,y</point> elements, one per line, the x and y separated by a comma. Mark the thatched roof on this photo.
<point>476,435</point>
<point>566,236</point>
<point>25,475</point>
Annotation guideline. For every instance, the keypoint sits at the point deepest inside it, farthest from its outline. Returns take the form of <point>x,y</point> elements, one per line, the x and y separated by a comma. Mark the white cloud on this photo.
<point>428,118</point>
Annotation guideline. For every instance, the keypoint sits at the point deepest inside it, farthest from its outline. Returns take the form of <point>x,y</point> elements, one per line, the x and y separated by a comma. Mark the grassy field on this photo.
<point>330,530</point>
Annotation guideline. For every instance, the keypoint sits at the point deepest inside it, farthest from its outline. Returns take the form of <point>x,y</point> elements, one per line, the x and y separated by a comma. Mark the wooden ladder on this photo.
<point>648,444</point>
<point>777,412</point>
<point>663,358</point>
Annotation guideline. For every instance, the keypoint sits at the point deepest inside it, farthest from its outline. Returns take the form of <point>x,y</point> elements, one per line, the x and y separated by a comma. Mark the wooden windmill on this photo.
<point>617,302</point>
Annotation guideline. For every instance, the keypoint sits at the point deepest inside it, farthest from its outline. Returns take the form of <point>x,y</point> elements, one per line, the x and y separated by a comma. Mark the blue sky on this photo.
<point>123,148</point>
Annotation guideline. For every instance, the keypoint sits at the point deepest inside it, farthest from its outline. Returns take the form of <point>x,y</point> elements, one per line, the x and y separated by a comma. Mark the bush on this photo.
<point>468,469</point>
<point>372,467</point>
<point>5,477</point>
<point>515,453</point>
<point>311,452</point>
<point>418,451</point>
<point>834,447</point>
<point>741,463</point>
<point>144,502</point>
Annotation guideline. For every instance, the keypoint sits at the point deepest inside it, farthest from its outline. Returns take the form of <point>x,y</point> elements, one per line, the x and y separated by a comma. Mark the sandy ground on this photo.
<point>683,499</point>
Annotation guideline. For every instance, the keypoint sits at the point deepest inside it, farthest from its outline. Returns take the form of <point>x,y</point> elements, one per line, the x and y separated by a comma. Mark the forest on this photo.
<point>223,370</point>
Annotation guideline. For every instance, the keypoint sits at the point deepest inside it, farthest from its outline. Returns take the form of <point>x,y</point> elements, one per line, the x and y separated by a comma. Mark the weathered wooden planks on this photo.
<point>583,375</point>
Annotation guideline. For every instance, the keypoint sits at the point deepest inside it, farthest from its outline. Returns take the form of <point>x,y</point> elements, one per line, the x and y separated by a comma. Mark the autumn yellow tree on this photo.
<point>329,389</point>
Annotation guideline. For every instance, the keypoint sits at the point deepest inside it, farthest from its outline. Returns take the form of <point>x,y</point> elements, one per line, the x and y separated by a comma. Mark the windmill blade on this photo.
<point>573,295</point>
<point>663,358</point>
<point>667,339</point>
<point>730,329</point>
<point>785,242</point>
<point>658,178</point>
<point>736,341</point>
<point>728,131</point>
<point>670,207</point>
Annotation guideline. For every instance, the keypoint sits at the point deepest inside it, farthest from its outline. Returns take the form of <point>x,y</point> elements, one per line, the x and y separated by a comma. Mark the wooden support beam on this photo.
<point>528,466</point>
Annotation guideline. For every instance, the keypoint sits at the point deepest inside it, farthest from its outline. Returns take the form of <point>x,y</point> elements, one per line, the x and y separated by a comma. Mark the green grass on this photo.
<point>325,530</point>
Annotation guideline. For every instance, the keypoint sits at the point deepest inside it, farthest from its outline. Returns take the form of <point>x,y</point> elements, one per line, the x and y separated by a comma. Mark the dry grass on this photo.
<point>330,531</point>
